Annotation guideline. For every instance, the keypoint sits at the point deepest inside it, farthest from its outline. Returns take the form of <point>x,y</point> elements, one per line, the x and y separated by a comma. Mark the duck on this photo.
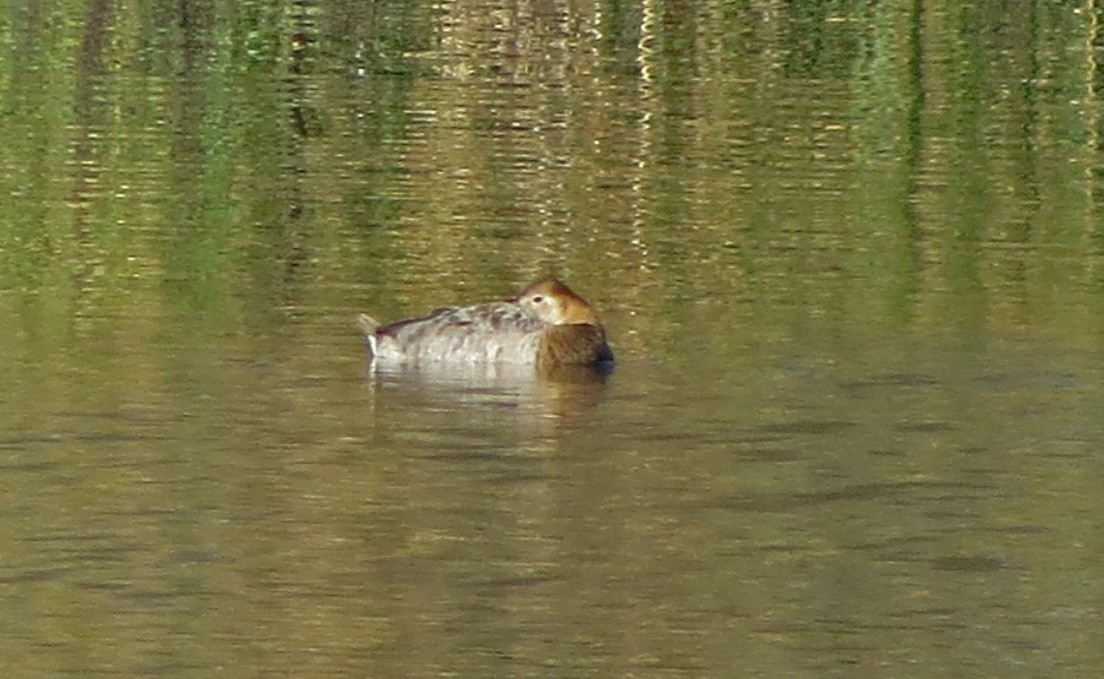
<point>546,325</point>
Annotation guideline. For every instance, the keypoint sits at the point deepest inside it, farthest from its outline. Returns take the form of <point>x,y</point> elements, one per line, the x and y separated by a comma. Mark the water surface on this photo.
<point>849,257</point>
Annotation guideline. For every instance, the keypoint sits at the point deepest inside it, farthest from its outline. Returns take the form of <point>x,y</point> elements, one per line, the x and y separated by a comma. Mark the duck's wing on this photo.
<point>481,333</point>
<point>414,329</point>
<point>501,318</point>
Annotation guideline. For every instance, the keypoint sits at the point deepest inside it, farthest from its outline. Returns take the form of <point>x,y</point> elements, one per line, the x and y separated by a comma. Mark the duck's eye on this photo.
<point>538,299</point>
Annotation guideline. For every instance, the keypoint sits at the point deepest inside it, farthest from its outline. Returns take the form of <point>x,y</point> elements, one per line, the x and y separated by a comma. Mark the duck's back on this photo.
<point>486,333</point>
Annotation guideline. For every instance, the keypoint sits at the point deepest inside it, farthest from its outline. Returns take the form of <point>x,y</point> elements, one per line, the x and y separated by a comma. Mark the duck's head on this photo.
<point>556,304</point>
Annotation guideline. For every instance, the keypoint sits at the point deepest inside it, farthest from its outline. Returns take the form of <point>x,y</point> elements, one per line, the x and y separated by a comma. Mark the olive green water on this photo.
<point>849,255</point>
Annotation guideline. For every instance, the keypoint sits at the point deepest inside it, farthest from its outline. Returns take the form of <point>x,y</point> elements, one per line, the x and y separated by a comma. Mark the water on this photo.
<point>849,257</point>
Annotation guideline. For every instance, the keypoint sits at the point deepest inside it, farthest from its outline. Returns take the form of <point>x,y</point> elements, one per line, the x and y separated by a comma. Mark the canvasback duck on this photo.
<point>545,325</point>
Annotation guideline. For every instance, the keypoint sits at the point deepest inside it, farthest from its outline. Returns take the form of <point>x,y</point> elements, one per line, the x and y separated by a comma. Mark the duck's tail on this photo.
<point>368,326</point>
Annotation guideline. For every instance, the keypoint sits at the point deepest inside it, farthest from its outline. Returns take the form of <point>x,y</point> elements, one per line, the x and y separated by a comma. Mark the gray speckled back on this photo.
<point>487,333</point>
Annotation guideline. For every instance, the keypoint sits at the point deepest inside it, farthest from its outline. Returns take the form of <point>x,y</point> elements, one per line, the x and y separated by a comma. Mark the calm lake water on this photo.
<point>851,259</point>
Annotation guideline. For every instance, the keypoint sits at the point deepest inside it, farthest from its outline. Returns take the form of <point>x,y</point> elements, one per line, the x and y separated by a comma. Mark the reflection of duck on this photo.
<point>546,325</point>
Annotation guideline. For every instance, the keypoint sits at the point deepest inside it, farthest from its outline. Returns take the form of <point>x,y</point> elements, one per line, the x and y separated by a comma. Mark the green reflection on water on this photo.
<point>207,141</point>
